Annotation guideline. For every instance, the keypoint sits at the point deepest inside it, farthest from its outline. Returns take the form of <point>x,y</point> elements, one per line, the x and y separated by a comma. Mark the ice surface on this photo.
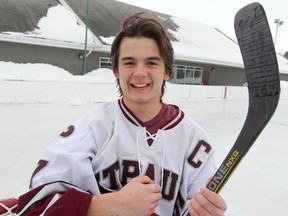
<point>258,187</point>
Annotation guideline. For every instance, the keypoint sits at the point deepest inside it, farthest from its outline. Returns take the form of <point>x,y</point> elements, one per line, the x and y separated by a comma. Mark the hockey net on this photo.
<point>8,207</point>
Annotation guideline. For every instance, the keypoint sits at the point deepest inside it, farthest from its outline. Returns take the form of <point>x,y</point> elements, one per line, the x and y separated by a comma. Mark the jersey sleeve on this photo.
<point>63,180</point>
<point>54,199</point>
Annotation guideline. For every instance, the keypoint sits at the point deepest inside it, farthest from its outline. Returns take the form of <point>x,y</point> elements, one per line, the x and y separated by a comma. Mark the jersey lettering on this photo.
<point>68,132</point>
<point>150,171</point>
<point>169,185</point>
<point>179,204</point>
<point>41,164</point>
<point>197,164</point>
<point>130,169</point>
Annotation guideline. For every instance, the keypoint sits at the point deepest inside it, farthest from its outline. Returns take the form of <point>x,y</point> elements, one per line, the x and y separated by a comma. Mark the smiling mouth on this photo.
<point>140,85</point>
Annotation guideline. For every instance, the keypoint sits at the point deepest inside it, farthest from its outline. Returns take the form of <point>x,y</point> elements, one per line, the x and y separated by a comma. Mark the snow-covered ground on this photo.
<point>258,187</point>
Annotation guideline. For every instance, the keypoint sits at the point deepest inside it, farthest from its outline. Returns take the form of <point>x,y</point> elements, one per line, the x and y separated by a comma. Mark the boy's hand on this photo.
<point>207,203</point>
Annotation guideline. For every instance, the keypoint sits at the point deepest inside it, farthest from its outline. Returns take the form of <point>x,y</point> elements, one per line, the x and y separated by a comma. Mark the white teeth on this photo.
<point>139,85</point>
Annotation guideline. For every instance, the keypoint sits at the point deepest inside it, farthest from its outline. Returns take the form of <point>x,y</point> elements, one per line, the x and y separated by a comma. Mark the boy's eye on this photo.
<point>152,63</point>
<point>129,63</point>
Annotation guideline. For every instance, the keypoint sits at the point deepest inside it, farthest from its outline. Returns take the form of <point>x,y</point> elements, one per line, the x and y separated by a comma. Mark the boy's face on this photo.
<point>141,71</point>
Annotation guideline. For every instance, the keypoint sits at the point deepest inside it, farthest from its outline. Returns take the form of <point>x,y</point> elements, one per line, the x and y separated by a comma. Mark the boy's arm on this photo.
<point>57,198</point>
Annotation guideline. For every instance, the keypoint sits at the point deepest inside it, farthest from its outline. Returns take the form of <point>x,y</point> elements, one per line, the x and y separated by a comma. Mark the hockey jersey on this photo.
<point>106,148</point>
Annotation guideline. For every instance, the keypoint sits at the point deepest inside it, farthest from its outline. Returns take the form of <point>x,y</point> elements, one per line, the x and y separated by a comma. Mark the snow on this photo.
<point>204,43</point>
<point>47,72</point>
<point>64,28</point>
<point>108,40</point>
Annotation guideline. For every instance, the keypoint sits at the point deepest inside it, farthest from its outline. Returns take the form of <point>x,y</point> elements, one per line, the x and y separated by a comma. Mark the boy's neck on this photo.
<point>144,111</point>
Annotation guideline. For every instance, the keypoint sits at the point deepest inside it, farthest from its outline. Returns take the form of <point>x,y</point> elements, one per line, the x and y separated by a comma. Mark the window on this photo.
<point>188,75</point>
<point>180,75</point>
<point>105,62</point>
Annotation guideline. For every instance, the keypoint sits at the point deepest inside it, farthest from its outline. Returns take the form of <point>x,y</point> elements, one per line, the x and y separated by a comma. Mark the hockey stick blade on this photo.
<point>262,73</point>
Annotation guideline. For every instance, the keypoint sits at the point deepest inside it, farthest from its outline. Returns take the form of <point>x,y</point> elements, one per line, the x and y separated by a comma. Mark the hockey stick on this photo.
<point>260,61</point>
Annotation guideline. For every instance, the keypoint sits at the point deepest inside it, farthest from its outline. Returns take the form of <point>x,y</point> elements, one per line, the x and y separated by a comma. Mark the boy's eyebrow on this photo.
<point>128,58</point>
<point>153,58</point>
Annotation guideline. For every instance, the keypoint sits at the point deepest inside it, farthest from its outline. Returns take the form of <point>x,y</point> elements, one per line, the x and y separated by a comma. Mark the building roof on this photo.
<point>24,15</point>
<point>192,41</point>
<point>106,17</point>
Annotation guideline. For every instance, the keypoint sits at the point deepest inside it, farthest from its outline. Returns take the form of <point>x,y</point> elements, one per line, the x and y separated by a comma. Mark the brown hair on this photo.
<point>139,26</point>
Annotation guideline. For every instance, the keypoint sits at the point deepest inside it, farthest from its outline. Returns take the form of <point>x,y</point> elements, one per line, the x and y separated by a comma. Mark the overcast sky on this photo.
<point>220,14</point>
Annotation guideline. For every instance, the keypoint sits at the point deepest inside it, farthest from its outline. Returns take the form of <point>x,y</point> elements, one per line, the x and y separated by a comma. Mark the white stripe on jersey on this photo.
<point>49,189</point>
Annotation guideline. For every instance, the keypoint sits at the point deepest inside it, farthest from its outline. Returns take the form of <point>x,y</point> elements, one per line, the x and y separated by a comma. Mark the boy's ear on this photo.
<point>116,74</point>
<point>166,76</point>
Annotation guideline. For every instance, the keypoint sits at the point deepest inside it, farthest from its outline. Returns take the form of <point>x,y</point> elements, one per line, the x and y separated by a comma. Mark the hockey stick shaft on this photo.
<point>260,62</point>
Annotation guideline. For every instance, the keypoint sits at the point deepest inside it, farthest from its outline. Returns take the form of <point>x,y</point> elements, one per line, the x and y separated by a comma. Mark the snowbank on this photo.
<point>44,83</point>
<point>46,72</point>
